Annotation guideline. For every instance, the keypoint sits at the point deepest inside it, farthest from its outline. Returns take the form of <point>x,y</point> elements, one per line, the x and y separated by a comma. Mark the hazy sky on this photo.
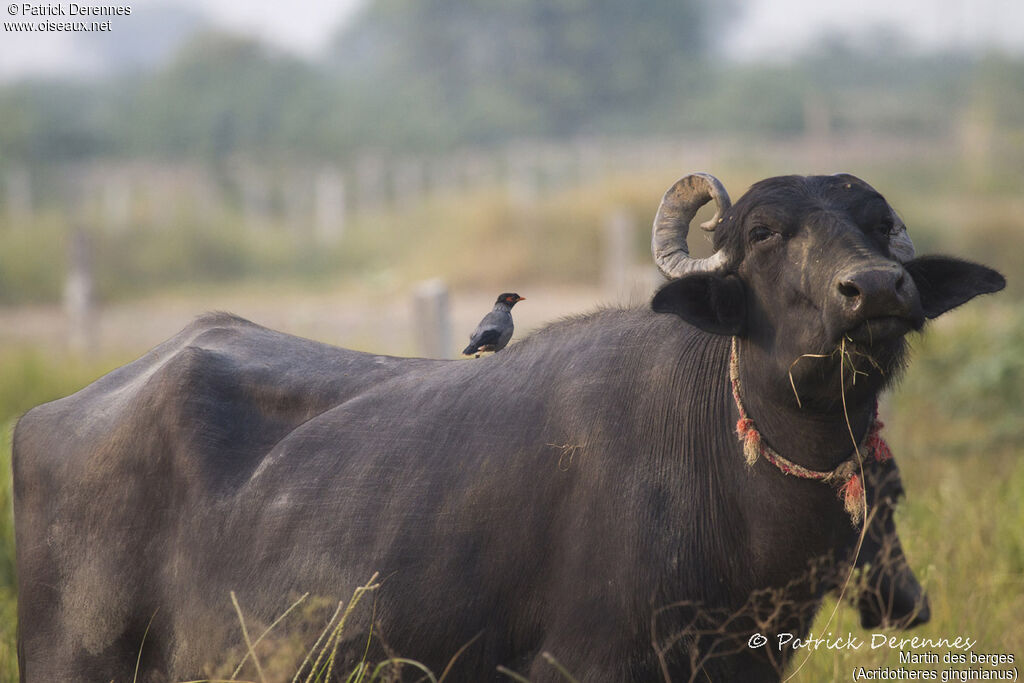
<point>768,28</point>
<point>777,26</point>
<point>300,25</point>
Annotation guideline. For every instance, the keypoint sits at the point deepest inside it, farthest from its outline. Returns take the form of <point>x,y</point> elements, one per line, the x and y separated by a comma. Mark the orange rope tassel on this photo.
<point>852,493</point>
<point>751,439</point>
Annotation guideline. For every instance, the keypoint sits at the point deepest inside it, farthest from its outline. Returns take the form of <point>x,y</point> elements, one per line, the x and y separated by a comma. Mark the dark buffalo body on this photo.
<point>582,494</point>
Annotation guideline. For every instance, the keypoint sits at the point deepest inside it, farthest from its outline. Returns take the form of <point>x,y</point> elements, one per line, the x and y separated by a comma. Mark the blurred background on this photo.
<point>372,173</point>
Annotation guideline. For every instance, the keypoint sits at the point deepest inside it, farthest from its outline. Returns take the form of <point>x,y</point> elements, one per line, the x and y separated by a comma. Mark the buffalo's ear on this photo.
<point>944,283</point>
<point>714,303</point>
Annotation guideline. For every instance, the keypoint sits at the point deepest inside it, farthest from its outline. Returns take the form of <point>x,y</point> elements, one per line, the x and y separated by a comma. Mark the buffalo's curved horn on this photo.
<point>899,240</point>
<point>672,224</point>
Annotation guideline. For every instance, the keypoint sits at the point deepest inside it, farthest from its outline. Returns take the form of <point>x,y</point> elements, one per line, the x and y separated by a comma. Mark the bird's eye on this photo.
<point>761,233</point>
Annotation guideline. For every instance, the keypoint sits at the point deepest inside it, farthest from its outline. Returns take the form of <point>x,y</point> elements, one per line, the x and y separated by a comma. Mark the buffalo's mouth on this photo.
<point>874,331</point>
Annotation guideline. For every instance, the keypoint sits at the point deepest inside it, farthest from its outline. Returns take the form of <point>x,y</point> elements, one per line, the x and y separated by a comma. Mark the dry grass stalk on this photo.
<point>267,631</point>
<point>245,635</point>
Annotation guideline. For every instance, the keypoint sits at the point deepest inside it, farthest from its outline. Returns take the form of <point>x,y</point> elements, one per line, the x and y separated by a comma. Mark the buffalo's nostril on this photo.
<point>849,290</point>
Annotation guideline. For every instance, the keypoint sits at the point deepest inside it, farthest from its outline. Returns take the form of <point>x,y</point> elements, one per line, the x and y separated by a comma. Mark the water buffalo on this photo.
<point>581,495</point>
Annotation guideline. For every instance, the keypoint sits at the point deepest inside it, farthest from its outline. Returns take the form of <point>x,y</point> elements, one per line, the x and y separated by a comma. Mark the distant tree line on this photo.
<point>422,76</point>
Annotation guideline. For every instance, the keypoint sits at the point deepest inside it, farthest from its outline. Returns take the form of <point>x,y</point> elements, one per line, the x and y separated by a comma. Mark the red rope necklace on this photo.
<point>845,477</point>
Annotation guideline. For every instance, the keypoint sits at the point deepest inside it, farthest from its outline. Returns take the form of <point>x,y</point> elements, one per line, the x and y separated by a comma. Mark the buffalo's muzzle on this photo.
<point>877,303</point>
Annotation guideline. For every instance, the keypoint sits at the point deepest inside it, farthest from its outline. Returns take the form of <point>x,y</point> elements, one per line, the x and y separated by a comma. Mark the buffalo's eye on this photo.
<point>886,227</point>
<point>761,233</point>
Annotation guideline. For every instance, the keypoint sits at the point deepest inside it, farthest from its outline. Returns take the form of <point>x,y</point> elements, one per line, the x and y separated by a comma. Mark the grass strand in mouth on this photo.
<point>793,364</point>
<point>846,358</point>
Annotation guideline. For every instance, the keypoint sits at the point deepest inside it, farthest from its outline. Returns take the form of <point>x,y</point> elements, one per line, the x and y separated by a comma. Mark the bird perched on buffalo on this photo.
<point>494,331</point>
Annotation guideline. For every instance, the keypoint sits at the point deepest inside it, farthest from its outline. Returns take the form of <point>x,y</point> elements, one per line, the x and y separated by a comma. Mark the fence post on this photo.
<point>619,227</point>
<point>432,319</point>
<point>79,293</point>
<point>116,202</point>
<point>330,206</point>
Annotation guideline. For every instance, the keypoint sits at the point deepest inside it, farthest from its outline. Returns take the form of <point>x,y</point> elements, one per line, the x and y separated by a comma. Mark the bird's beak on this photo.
<point>522,298</point>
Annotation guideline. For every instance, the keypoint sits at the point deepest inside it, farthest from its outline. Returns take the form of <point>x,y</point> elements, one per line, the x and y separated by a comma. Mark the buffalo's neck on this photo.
<point>781,529</point>
<point>812,437</point>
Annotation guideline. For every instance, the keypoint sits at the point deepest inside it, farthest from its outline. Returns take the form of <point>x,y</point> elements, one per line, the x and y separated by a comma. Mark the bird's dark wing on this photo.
<point>487,337</point>
<point>483,339</point>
